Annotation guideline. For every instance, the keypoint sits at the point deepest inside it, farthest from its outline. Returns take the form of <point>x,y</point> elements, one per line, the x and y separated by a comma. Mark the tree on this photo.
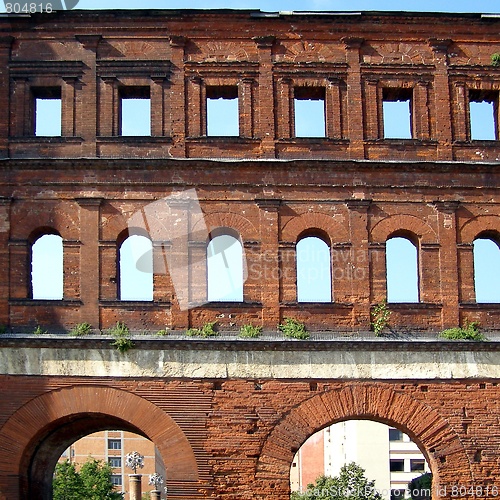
<point>67,483</point>
<point>350,484</point>
<point>421,487</point>
<point>92,482</point>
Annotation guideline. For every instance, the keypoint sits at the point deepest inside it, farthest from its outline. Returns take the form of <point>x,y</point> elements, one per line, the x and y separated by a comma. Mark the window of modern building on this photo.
<point>114,444</point>
<point>115,462</point>
<point>225,269</point>
<point>116,479</point>
<point>309,111</point>
<point>417,465</point>
<point>222,111</point>
<point>395,435</point>
<point>135,111</point>
<point>397,118</point>
<point>314,277</point>
<point>47,275</point>
<point>47,112</point>
<point>486,270</point>
<point>483,113</point>
<point>402,270</point>
<point>396,465</point>
<point>136,268</point>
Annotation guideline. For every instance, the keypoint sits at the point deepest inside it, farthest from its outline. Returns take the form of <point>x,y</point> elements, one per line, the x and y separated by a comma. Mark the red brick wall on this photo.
<point>243,434</point>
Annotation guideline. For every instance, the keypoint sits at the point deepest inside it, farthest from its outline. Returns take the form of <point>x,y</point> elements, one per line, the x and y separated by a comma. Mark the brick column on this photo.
<point>270,283</point>
<point>354,97</point>
<point>288,271</point>
<point>155,495</point>
<point>197,271</point>
<point>135,486</point>
<point>4,259</point>
<point>374,115</point>
<point>87,105</point>
<point>68,98</point>
<point>447,234</point>
<point>20,269</point>
<point>265,110</point>
<point>361,287</point>
<point>442,99</point>
<point>180,111</point>
<point>284,109</point>
<point>461,129</point>
<point>179,264</point>
<point>467,292</point>
<point>420,112</point>
<point>246,104</point>
<point>333,109</point>
<point>71,264</point>
<point>160,107</point>
<point>108,120</point>
<point>428,262</point>
<point>89,259</point>
<point>5,48</point>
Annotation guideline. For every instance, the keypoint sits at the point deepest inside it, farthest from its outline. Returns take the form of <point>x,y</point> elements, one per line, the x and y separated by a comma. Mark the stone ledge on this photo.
<point>208,359</point>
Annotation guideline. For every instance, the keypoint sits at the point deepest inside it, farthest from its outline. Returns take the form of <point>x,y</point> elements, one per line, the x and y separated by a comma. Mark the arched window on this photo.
<point>314,278</point>
<point>47,275</point>
<point>225,269</point>
<point>486,270</point>
<point>402,270</point>
<point>136,268</point>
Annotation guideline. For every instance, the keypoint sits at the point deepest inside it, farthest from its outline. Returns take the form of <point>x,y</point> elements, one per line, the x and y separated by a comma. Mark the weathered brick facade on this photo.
<point>235,436</point>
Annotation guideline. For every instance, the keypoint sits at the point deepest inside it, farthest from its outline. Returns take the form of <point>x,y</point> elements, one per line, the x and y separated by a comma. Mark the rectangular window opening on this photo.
<point>397,106</point>
<point>395,435</point>
<point>417,465</point>
<point>483,112</point>
<point>115,462</point>
<point>47,114</point>
<point>309,109</point>
<point>116,479</point>
<point>396,465</point>
<point>114,444</point>
<point>222,111</point>
<point>135,111</point>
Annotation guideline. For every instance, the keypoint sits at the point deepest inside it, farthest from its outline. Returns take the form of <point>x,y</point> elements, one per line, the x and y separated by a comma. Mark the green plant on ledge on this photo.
<point>81,330</point>
<point>121,334</point>
<point>470,331</point>
<point>250,331</point>
<point>495,59</point>
<point>163,333</point>
<point>207,330</point>
<point>380,317</point>
<point>293,329</point>
<point>39,331</point>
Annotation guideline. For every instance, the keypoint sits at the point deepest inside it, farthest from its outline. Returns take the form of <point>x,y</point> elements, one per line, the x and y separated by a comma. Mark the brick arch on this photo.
<point>231,220</point>
<point>469,231</point>
<point>379,402</point>
<point>51,418</point>
<point>402,222</point>
<point>293,228</point>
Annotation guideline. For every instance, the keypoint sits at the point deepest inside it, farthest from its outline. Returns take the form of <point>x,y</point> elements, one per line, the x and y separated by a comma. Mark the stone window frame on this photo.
<point>329,76</point>
<point>199,76</point>
<point>384,78</point>
<point>465,80</point>
<point>29,78</point>
<point>115,75</point>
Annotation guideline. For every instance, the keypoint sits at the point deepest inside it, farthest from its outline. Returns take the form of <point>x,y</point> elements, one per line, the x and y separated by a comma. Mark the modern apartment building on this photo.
<point>112,447</point>
<point>388,456</point>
